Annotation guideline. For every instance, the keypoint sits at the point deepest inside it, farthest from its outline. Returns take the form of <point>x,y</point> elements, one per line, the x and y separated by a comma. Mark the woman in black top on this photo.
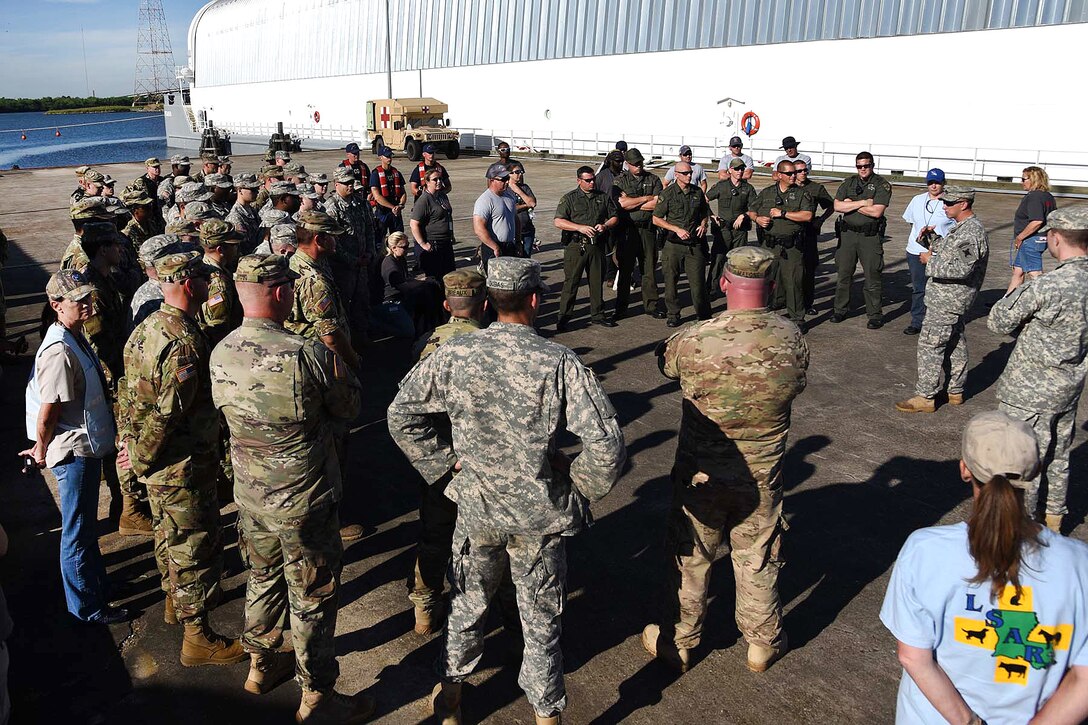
<point>1026,250</point>
<point>410,306</point>
<point>432,227</point>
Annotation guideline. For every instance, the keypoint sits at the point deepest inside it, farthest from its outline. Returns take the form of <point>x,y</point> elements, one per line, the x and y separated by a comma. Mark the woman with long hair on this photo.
<point>1026,251</point>
<point>991,615</point>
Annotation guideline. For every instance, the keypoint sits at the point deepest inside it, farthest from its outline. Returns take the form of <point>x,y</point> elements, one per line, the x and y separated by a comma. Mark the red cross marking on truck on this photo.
<point>385,117</point>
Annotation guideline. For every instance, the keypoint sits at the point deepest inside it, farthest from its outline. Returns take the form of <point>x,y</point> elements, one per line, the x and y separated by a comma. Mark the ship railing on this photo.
<point>964,163</point>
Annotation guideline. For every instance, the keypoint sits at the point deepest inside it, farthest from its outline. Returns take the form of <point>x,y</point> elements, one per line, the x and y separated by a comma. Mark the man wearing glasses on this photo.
<point>584,216</point>
<point>956,266</point>
<point>698,174</point>
<point>789,145</point>
<point>810,252</point>
<point>495,216</point>
<point>862,200</point>
<point>735,197</point>
<point>780,211</point>
<point>683,213</point>
<point>736,151</point>
<point>639,190</point>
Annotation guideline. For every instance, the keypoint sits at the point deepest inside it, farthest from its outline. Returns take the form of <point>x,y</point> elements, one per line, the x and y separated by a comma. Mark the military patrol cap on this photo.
<point>318,178</point>
<point>283,233</point>
<point>464,283</point>
<point>737,163</point>
<point>283,188</point>
<point>272,217</point>
<point>615,155</point>
<point>182,227</point>
<point>216,232</point>
<point>285,155</point>
<point>153,161</point>
<point>293,168</point>
<point>788,143</point>
<point>246,181</point>
<point>94,177</point>
<point>386,152</point>
<point>995,444</point>
<point>90,207</point>
<point>224,160</point>
<point>1068,219</point>
<point>515,274</point>
<point>736,141</point>
<point>179,160</point>
<point>497,170</point>
<point>319,221</point>
<point>181,265</point>
<point>344,175</point>
<point>68,284</point>
<point>199,211</point>
<point>208,158</point>
<point>428,148</point>
<point>179,181</point>
<point>261,268</point>
<point>749,261</point>
<point>223,181</point>
<point>193,191</point>
<point>352,148</point>
<point>272,172</point>
<point>156,247</point>
<point>958,193</point>
<point>633,156</point>
<point>307,190</point>
<point>136,197</point>
<point>81,170</point>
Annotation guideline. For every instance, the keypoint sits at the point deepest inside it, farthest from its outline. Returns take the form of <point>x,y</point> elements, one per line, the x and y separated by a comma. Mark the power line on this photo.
<point>154,58</point>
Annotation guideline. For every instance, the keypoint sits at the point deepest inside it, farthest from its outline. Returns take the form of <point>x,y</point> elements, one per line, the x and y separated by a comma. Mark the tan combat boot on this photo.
<point>351,532</point>
<point>202,646</point>
<point>267,670</point>
<point>917,404</point>
<point>550,720</point>
<point>1054,522</point>
<point>429,621</point>
<point>955,398</point>
<point>329,708</point>
<point>446,702</point>
<point>760,658</point>
<point>169,611</point>
<point>133,521</point>
<point>665,649</point>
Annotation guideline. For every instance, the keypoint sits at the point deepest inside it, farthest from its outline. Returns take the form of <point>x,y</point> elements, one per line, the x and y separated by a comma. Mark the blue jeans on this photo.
<point>528,240</point>
<point>392,318</point>
<point>81,567</point>
<point>918,290</point>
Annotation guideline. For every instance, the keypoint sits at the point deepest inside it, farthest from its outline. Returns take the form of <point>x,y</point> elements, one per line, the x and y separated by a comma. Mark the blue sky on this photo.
<point>41,52</point>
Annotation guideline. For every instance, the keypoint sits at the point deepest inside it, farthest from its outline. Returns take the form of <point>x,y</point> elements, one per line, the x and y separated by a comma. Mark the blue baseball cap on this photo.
<point>352,148</point>
<point>428,148</point>
<point>935,175</point>
<point>386,152</point>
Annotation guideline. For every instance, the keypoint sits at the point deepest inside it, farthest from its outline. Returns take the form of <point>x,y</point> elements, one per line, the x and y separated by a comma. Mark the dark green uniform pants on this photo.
<point>788,274</point>
<point>810,254</point>
<point>575,264</point>
<point>691,260</point>
<point>869,251</point>
<point>725,240</point>
<point>637,245</point>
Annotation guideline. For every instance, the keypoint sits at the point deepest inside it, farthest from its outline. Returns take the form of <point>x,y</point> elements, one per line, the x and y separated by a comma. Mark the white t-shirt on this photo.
<point>499,214</point>
<point>799,157</point>
<point>1006,658</point>
<point>921,215</point>
<point>698,175</point>
<point>723,164</point>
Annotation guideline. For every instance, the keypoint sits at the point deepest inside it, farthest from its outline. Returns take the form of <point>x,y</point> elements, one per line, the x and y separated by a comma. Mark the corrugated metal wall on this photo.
<point>251,41</point>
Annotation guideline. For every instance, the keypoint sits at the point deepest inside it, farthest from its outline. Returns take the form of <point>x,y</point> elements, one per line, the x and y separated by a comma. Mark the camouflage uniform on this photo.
<point>246,220</point>
<point>281,395</point>
<point>955,271</point>
<point>106,328</point>
<point>785,238</point>
<point>514,510</point>
<point>739,373</point>
<point>1043,379</point>
<point>444,333</point>
<point>317,310</point>
<point>147,299</point>
<point>172,430</point>
<point>222,312</point>
<point>351,275</point>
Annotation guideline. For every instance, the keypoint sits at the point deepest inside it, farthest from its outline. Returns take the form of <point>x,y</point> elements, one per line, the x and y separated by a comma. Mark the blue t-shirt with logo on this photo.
<point>1006,657</point>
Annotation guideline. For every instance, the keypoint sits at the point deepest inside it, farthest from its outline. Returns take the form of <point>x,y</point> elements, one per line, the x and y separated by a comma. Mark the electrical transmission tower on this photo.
<point>154,58</point>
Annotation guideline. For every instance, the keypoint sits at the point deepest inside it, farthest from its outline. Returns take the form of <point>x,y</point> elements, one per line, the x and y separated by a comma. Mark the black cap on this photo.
<point>621,145</point>
<point>789,143</point>
<point>736,141</point>
<point>352,148</point>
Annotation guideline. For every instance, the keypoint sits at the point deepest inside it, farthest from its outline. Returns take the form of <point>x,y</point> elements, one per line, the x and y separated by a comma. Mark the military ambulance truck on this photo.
<point>409,123</point>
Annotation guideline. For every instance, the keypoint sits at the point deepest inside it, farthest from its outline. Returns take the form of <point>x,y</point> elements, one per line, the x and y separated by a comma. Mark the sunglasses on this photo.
<point>788,173</point>
<point>864,166</point>
<point>1024,178</point>
<point>946,202</point>
<point>517,171</point>
<point>590,180</point>
<point>686,154</point>
<point>683,173</point>
<point>802,171</point>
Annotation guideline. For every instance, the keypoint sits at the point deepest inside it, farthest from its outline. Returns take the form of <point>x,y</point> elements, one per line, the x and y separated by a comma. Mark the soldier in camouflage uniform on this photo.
<point>518,496</point>
<point>862,200</point>
<point>220,187</point>
<point>1043,379</point>
<point>682,213</point>
<point>356,250</point>
<point>81,189</point>
<point>148,297</point>
<point>105,330</point>
<point>170,435</point>
<point>283,396</point>
<point>222,313</point>
<point>209,164</point>
<point>781,211</point>
<point>268,176</point>
<point>89,209</point>
<point>129,273</point>
<point>585,215</point>
<point>179,166</point>
<point>637,239</point>
<point>735,197</point>
<point>242,215</point>
<point>739,374</point>
<point>148,183</point>
<point>955,268</point>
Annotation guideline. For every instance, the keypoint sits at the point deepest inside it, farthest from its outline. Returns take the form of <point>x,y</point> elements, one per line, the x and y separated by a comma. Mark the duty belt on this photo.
<point>691,241</point>
<point>867,230</point>
<point>787,242</point>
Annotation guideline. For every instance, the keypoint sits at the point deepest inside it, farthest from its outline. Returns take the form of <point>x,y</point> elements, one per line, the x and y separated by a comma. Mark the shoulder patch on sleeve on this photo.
<point>184,372</point>
<point>214,300</point>
<point>324,303</point>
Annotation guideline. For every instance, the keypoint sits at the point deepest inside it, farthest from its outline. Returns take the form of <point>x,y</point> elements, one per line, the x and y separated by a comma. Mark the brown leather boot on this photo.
<point>329,708</point>
<point>267,670</point>
<point>202,646</point>
<point>917,404</point>
<point>1054,522</point>
<point>760,657</point>
<point>429,621</point>
<point>665,649</point>
<point>551,720</point>
<point>955,398</point>
<point>446,702</point>
<point>134,521</point>
<point>169,611</point>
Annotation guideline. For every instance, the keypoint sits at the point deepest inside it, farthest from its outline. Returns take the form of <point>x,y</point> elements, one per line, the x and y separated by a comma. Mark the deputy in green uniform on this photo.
<point>683,213</point>
<point>637,239</point>
<point>862,200</point>
<point>585,215</point>
<point>781,210</point>
<point>735,197</point>
<point>810,252</point>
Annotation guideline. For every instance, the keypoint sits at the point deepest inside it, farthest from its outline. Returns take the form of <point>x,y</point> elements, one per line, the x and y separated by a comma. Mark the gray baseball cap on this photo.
<point>497,170</point>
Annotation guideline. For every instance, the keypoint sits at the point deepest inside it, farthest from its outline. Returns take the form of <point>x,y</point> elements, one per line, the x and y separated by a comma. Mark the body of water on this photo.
<point>127,137</point>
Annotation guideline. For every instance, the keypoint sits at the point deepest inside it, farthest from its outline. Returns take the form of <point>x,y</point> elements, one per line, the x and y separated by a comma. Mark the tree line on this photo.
<point>59,103</point>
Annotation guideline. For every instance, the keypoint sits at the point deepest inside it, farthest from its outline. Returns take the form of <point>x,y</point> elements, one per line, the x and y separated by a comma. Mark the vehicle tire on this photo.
<point>413,149</point>
<point>453,149</point>
<point>378,143</point>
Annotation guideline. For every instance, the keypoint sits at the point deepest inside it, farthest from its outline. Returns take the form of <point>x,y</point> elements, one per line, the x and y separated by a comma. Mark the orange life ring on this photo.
<point>749,123</point>
<point>317,116</point>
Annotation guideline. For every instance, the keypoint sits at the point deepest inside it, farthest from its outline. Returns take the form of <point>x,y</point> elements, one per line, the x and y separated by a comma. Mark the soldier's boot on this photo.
<point>169,612</point>
<point>665,649</point>
<point>267,670</point>
<point>955,398</point>
<point>133,521</point>
<point>446,702</point>
<point>1054,522</point>
<point>760,658</point>
<point>550,720</point>
<point>917,404</point>
<point>351,532</point>
<point>327,708</point>
<point>202,646</point>
<point>429,621</point>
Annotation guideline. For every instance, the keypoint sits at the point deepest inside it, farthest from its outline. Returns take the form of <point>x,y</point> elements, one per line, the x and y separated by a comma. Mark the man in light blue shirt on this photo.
<point>925,213</point>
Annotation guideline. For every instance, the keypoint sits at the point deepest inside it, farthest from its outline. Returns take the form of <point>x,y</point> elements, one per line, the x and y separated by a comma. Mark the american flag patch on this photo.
<point>216,300</point>
<point>324,303</point>
<point>185,372</point>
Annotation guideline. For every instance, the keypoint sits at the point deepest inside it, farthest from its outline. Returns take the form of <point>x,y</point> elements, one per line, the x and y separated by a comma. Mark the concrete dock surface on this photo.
<point>859,478</point>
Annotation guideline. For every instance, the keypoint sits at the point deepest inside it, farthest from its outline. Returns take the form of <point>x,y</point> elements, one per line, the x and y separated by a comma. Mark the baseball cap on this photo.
<point>307,190</point>
<point>996,445</point>
<point>1070,219</point>
<point>514,274</point>
<point>958,193</point>
<point>935,175</point>
<point>789,143</point>
<point>294,168</point>
<point>181,227</point>
<point>261,268</point>
<point>68,284</point>
<point>94,177</point>
<point>352,148</point>
<point>428,148</point>
<point>272,217</point>
<point>136,197</point>
<point>319,221</point>
<point>81,170</point>
<point>199,211</point>
<point>497,170</point>
<point>318,178</point>
<point>209,158</point>
<point>90,207</point>
<point>736,141</point>
<point>224,160</point>
<point>621,145</point>
<point>193,191</point>
<point>181,265</point>
<point>283,233</point>
<point>749,261</point>
<point>272,172</point>
<point>285,155</point>
<point>344,175</point>
<point>464,283</point>
<point>685,149</point>
<point>736,163</point>
<point>386,152</point>
<point>216,232</point>
<point>283,188</point>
